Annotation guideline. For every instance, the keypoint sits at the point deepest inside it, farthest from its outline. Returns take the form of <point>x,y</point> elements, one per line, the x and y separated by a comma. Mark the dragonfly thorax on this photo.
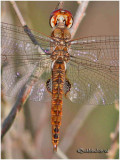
<point>60,52</point>
<point>61,34</point>
<point>61,38</point>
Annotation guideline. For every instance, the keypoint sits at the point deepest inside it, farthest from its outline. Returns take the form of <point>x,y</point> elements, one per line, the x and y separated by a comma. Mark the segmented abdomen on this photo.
<point>58,78</point>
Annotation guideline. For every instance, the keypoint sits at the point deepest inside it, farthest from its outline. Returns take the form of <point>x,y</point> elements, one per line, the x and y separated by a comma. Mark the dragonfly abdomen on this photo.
<point>58,78</point>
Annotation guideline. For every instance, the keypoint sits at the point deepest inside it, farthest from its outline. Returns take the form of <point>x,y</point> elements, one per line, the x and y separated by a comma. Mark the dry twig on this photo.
<point>80,13</point>
<point>60,5</point>
<point>22,21</point>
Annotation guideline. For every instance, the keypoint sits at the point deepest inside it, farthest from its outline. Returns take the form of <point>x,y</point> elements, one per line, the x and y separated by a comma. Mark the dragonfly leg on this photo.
<point>67,86</point>
<point>49,85</point>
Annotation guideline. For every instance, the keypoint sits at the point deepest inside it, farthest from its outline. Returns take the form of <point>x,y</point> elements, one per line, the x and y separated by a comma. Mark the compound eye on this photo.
<point>53,21</point>
<point>69,22</point>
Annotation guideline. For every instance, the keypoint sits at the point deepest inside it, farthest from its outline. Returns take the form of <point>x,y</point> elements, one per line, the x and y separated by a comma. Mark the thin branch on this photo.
<point>60,5</point>
<point>9,141</point>
<point>26,144</point>
<point>7,147</point>
<point>21,19</point>
<point>80,13</point>
<point>23,144</point>
<point>26,28</point>
<point>42,121</point>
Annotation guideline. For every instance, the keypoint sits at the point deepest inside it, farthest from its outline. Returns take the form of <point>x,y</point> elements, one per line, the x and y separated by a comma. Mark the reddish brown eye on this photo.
<point>63,16</point>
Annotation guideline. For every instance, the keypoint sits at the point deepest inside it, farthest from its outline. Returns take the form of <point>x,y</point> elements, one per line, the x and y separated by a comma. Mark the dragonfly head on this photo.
<point>61,18</point>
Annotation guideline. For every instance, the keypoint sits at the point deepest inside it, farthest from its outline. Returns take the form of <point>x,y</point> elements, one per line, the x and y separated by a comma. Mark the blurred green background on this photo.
<point>102,18</point>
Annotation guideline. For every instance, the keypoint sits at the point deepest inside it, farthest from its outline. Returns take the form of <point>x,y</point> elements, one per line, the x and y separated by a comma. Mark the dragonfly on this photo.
<point>51,67</point>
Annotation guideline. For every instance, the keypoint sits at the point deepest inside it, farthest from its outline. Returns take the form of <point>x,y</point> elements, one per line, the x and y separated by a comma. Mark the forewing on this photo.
<point>20,57</point>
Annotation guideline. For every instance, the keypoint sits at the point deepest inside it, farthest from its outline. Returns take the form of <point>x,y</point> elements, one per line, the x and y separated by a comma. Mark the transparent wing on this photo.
<point>10,31</point>
<point>39,92</point>
<point>93,70</point>
<point>20,56</point>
